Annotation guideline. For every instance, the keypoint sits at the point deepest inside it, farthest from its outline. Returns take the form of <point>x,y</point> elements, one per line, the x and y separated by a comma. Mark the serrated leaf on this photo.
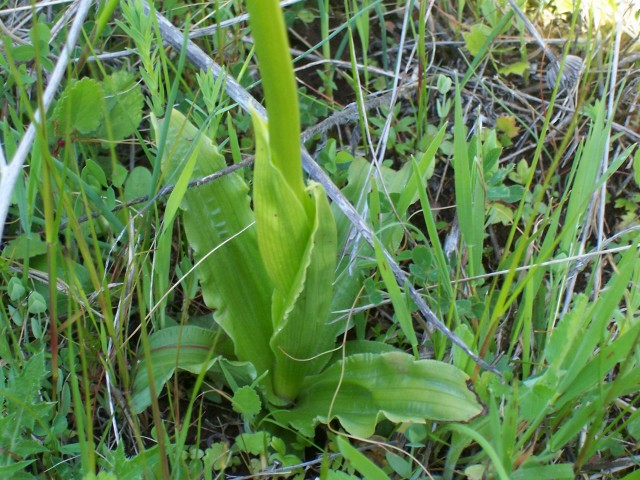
<point>216,456</point>
<point>517,68</point>
<point>247,402</point>
<point>391,385</point>
<point>80,107</point>
<point>507,124</point>
<point>475,38</point>
<point>500,213</point>
<point>253,443</point>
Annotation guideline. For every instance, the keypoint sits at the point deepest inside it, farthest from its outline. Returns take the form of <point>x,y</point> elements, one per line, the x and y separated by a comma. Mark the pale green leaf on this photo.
<point>37,303</point>
<point>558,471</point>
<point>475,38</point>
<point>507,124</point>
<point>391,385</point>
<point>301,329</point>
<point>282,221</point>
<point>500,213</point>
<point>15,289</point>
<point>517,68</point>
<point>219,226</point>
<point>280,91</point>
<point>184,347</point>
<point>253,443</point>
<point>246,401</point>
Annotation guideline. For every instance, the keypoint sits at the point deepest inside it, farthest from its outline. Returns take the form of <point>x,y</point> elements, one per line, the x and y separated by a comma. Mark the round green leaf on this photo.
<point>138,183</point>
<point>247,402</point>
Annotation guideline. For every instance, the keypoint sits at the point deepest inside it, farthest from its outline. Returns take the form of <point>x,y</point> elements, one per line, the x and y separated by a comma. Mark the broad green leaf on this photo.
<point>253,443</point>
<point>26,245</point>
<point>137,183</point>
<point>184,347</point>
<point>218,223</point>
<point>360,462</point>
<point>354,347</point>
<point>16,289</point>
<point>301,329</point>
<point>500,213</point>
<point>37,303</point>
<point>391,385</point>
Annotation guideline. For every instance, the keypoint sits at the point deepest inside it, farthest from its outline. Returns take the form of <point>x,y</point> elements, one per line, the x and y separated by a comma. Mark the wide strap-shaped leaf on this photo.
<point>187,348</point>
<point>301,319</point>
<point>298,242</point>
<point>390,385</point>
<point>218,222</point>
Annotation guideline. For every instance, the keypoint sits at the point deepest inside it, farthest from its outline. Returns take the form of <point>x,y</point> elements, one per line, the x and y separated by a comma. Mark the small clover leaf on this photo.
<point>16,289</point>
<point>37,303</point>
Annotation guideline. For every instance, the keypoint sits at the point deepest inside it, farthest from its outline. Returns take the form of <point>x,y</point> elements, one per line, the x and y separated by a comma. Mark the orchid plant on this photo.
<point>269,274</point>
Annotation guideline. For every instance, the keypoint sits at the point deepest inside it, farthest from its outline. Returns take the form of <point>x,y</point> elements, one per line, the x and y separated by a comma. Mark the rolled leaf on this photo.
<point>301,328</point>
<point>391,385</point>
<point>282,221</point>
